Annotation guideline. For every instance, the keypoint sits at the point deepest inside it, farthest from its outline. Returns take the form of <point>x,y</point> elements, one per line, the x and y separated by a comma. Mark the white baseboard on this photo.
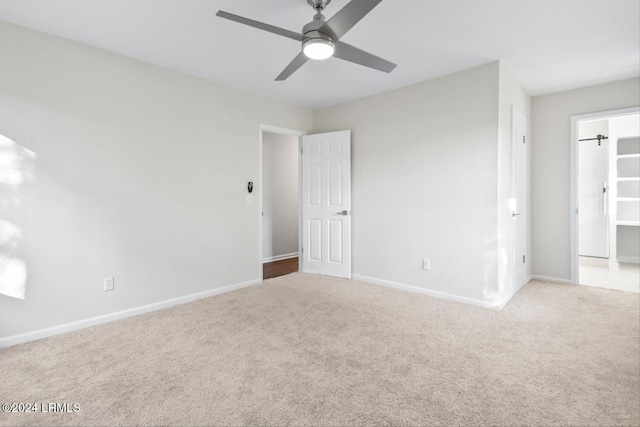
<point>280,257</point>
<point>550,279</point>
<point>437,294</point>
<point>80,324</point>
<point>629,259</point>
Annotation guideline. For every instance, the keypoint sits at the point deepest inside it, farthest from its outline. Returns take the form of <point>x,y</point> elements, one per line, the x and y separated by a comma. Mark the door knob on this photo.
<point>514,214</point>
<point>345,213</point>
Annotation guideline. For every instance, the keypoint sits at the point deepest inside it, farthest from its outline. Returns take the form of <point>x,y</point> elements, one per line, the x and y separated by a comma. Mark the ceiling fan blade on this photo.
<point>260,25</point>
<point>297,62</point>
<point>347,17</point>
<point>353,54</point>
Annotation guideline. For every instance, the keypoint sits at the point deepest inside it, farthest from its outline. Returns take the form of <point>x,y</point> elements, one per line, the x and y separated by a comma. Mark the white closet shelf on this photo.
<point>629,178</point>
<point>629,156</point>
<point>629,223</point>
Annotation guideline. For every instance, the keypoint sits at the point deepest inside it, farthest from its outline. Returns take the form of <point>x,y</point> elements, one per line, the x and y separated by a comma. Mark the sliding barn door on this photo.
<point>593,176</point>
<point>326,204</point>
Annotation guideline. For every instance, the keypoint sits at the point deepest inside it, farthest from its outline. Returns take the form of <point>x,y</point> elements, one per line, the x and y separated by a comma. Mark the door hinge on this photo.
<point>523,259</point>
<point>524,139</point>
<point>302,250</point>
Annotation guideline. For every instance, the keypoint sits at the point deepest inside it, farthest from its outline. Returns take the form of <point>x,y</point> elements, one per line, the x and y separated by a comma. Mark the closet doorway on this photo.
<point>606,200</point>
<point>280,177</point>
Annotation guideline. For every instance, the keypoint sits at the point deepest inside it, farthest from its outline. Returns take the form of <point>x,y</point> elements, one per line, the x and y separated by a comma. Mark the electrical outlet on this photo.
<point>426,264</point>
<point>108,283</point>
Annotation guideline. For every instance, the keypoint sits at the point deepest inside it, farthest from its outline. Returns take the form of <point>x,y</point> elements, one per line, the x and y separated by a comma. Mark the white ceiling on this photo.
<point>549,45</point>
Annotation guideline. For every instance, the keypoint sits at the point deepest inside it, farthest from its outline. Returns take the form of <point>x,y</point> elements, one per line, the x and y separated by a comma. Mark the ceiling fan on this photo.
<point>321,39</point>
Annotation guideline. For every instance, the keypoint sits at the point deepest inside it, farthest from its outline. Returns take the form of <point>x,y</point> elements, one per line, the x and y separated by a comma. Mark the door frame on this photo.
<point>284,131</point>
<point>573,178</point>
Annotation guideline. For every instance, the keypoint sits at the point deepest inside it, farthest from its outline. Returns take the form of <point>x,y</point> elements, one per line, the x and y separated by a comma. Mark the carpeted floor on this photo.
<point>310,350</point>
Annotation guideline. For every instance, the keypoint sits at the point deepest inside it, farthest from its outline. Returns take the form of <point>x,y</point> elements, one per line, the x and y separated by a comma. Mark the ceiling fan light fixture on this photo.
<point>318,48</point>
<point>320,38</point>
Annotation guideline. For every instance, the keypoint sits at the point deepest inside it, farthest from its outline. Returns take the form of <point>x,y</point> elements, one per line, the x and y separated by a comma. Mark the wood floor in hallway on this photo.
<point>279,268</point>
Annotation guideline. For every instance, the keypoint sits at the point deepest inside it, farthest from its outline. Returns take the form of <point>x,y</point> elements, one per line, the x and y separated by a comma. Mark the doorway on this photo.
<point>279,204</point>
<point>605,192</point>
<point>323,198</point>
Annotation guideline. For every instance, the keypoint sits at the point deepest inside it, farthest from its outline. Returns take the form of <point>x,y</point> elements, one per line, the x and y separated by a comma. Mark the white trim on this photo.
<point>529,278</point>
<point>106,318</point>
<point>279,257</point>
<point>281,130</point>
<point>629,259</point>
<point>275,129</point>
<point>443,295</point>
<point>573,178</point>
<point>550,279</point>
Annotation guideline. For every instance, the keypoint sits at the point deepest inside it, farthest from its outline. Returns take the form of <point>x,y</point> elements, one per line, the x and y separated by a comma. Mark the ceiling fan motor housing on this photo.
<point>311,31</point>
<point>318,5</point>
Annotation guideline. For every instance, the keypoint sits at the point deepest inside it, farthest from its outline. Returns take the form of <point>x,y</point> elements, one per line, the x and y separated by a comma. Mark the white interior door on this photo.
<point>326,204</point>
<point>518,197</point>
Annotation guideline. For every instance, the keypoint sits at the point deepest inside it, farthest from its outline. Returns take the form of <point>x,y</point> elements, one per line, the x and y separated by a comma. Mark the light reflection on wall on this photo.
<point>16,163</point>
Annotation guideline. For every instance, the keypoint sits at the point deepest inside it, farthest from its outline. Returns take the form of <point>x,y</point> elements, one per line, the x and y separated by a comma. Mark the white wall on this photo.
<point>141,173</point>
<point>279,195</point>
<point>424,179</point>
<point>551,129</point>
<point>593,128</point>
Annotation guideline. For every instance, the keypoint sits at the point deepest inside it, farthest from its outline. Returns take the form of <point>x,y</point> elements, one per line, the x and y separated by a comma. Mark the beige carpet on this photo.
<point>309,350</point>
